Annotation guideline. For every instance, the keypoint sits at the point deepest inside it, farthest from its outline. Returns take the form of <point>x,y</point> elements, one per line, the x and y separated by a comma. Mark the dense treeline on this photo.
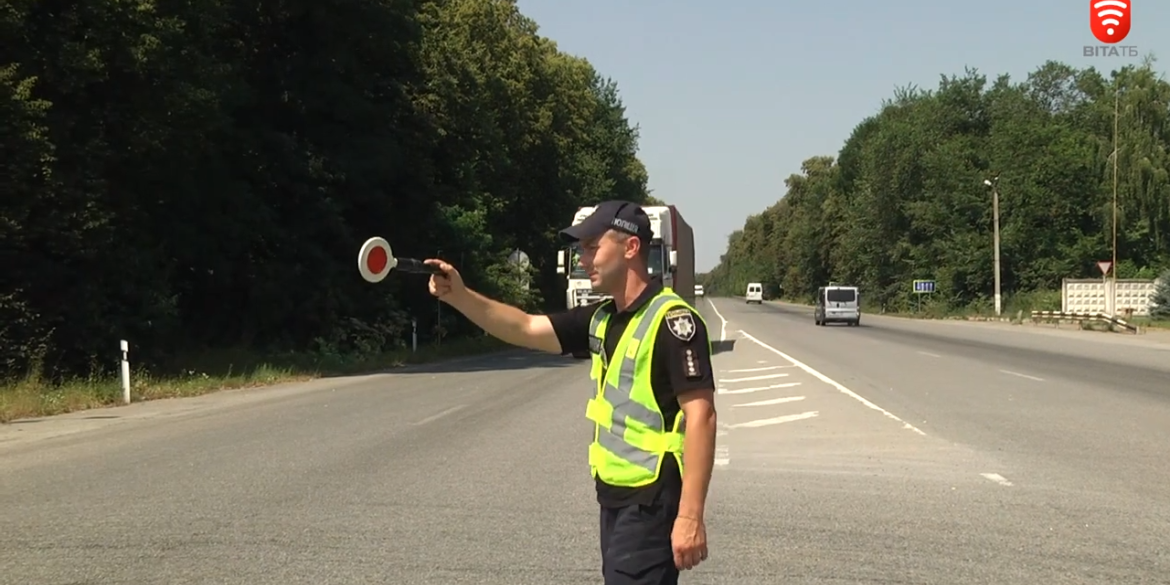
<point>196,175</point>
<point>905,198</point>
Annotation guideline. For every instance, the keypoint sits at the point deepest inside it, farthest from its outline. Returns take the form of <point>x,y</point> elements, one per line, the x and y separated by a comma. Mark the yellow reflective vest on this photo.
<point>630,438</point>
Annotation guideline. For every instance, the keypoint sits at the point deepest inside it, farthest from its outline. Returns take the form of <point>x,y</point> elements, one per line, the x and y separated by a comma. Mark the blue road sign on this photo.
<point>923,286</point>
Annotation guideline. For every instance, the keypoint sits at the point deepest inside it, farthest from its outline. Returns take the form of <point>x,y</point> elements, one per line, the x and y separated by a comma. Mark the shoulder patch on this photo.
<point>681,323</point>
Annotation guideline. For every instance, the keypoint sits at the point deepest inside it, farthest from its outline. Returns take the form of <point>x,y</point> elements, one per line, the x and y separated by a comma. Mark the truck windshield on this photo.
<point>575,270</point>
<point>657,261</point>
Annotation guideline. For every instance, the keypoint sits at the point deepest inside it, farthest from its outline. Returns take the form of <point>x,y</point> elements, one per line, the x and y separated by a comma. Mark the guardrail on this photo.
<point>1083,317</point>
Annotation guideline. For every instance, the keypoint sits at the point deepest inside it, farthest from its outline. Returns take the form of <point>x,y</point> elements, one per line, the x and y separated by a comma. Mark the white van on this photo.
<point>838,304</point>
<point>698,290</point>
<point>755,293</point>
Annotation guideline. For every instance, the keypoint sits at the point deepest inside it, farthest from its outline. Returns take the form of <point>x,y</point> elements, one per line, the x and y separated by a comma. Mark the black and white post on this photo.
<point>994,184</point>
<point>125,371</point>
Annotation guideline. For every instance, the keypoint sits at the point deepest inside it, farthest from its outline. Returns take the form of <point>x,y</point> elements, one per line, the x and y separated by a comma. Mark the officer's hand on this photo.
<point>446,284</point>
<point>689,540</point>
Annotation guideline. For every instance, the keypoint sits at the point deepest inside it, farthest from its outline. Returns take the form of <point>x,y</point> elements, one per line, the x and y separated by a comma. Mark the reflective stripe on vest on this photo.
<point>630,438</point>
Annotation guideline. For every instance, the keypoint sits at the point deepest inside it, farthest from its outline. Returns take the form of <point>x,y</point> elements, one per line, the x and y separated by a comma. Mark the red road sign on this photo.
<point>1104,265</point>
<point>374,259</point>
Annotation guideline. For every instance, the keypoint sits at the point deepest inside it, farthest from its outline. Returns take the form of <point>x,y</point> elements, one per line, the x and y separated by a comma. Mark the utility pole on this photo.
<point>994,184</point>
<point>1116,114</point>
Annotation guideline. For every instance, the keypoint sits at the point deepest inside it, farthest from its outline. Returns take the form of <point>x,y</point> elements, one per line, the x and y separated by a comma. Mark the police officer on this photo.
<point>652,392</point>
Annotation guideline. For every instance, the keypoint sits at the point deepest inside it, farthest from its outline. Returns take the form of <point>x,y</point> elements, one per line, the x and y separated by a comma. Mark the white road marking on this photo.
<point>997,478</point>
<point>723,327</point>
<point>784,400</point>
<point>756,389</point>
<point>1022,375</point>
<point>722,456</point>
<point>928,354</point>
<point>775,421</point>
<point>762,362</point>
<point>764,369</point>
<point>435,417</point>
<point>833,383</point>
<point>752,378</point>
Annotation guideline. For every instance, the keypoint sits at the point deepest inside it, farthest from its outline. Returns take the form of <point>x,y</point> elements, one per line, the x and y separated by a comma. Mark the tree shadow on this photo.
<point>503,360</point>
<point>518,359</point>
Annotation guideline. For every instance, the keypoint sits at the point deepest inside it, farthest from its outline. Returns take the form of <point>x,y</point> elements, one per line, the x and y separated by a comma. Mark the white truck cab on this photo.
<point>672,257</point>
<point>698,290</point>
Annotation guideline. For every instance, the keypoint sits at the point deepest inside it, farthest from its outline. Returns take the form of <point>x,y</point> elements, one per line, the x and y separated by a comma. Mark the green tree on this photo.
<point>1160,300</point>
<point>200,176</point>
<point>904,198</point>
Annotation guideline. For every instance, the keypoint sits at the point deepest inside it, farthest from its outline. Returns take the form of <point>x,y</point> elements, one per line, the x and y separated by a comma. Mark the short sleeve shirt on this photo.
<point>680,365</point>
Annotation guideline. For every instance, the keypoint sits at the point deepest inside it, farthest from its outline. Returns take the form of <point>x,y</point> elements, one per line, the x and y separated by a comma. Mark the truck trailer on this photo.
<point>672,257</point>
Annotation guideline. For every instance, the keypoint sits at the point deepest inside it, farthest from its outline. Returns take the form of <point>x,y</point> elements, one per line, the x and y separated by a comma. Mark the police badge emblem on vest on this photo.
<point>681,323</point>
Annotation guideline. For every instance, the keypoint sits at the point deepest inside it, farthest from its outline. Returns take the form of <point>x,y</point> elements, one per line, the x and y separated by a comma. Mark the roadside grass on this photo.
<point>33,396</point>
<point>1017,309</point>
<point>1143,322</point>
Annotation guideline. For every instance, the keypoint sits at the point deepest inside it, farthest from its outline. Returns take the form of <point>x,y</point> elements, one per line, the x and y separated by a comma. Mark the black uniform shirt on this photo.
<point>680,366</point>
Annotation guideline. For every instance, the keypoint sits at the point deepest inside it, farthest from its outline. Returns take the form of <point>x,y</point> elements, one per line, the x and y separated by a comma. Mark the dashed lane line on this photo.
<point>771,402</point>
<point>764,369</point>
<point>779,420</point>
<point>754,378</point>
<point>756,389</point>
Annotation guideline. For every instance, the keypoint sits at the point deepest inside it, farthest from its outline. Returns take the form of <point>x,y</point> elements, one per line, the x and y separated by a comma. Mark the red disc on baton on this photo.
<point>375,260</point>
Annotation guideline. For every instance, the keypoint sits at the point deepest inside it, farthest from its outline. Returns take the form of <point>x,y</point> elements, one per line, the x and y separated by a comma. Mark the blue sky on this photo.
<point>731,98</point>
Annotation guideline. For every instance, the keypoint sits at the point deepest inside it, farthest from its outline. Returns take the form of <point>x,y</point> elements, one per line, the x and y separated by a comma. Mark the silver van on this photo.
<point>838,304</point>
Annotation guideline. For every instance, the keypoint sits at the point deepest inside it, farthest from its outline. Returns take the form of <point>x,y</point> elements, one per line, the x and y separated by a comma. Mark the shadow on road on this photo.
<point>518,360</point>
<point>28,421</point>
<point>493,362</point>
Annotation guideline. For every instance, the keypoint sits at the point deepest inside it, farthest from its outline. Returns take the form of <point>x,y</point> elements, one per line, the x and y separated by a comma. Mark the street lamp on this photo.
<point>995,218</point>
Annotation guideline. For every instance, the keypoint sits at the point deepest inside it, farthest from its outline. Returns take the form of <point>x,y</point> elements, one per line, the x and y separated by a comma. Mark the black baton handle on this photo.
<point>416,266</point>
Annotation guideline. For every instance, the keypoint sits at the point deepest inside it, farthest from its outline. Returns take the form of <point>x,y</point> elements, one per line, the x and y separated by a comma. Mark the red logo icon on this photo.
<point>1109,19</point>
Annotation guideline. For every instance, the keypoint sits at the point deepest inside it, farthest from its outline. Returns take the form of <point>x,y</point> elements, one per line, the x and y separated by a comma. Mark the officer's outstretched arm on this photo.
<point>506,322</point>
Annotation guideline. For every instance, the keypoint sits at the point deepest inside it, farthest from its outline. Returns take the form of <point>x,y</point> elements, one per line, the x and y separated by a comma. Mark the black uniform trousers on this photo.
<point>635,541</point>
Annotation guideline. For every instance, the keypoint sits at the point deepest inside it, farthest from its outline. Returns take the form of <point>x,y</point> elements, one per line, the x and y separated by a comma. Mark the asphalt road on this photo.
<point>895,452</point>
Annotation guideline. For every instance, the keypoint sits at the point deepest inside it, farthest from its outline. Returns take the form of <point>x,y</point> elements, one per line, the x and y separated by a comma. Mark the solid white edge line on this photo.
<point>723,327</point>
<point>832,383</point>
<point>722,453</point>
